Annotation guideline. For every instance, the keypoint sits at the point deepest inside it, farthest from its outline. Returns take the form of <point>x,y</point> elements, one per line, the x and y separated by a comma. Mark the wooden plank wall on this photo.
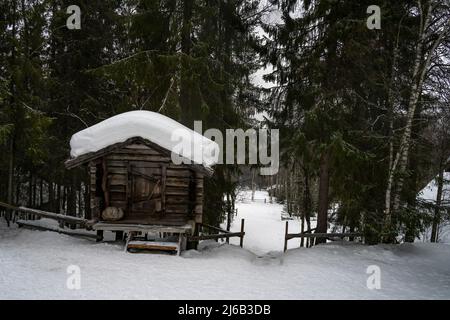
<point>176,184</point>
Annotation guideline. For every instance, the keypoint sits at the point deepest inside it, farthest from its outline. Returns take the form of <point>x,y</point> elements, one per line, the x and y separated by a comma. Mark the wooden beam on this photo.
<point>153,245</point>
<point>141,227</point>
<point>215,236</point>
<point>163,187</point>
<point>45,214</point>
<point>241,243</point>
<point>286,236</point>
<point>69,232</point>
<point>137,173</point>
<point>214,228</point>
<point>322,235</point>
<point>105,183</point>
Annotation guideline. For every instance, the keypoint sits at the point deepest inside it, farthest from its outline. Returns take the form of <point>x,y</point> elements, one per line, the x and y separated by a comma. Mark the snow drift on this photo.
<point>34,266</point>
<point>152,126</point>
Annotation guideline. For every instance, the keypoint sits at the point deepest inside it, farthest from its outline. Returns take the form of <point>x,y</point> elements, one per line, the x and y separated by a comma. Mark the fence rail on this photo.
<point>313,236</point>
<point>46,214</point>
<point>220,233</point>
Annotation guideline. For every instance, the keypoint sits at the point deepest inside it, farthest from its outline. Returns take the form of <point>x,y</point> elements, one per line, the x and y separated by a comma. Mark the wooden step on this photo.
<point>153,245</point>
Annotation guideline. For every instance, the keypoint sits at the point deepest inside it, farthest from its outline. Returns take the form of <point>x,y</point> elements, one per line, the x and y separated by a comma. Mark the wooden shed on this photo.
<point>136,188</point>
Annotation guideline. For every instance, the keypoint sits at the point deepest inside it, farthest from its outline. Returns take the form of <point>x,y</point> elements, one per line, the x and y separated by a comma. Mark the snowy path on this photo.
<point>33,265</point>
<point>264,229</point>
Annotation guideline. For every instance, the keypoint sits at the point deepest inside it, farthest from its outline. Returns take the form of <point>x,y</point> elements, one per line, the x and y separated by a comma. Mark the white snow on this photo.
<point>153,126</point>
<point>429,193</point>
<point>443,233</point>
<point>264,228</point>
<point>33,265</point>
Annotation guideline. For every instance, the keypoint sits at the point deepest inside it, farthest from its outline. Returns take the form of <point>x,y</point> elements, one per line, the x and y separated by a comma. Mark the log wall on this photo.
<point>179,204</point>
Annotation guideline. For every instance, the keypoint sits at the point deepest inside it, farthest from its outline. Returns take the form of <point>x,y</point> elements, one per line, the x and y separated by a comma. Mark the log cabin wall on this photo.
<point>135,171</point>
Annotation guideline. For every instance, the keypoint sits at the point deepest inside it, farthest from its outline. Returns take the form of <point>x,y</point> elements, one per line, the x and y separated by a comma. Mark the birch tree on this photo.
<point>433,28</point>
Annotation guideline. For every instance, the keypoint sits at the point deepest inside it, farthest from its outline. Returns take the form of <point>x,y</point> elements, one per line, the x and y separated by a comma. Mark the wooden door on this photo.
<point>145,191</point>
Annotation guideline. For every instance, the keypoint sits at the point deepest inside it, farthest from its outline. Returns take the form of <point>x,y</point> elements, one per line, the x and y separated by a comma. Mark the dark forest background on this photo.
<point>363,113</point>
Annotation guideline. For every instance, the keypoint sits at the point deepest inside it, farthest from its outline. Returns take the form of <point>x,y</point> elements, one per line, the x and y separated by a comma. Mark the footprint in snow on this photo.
<point>270,258</point>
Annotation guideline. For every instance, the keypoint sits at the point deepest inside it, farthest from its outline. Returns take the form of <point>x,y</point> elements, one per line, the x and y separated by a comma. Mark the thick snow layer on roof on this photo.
<point>152,126</point>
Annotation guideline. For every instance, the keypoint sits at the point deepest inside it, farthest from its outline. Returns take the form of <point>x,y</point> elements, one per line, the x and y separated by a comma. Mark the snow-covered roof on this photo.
<point>155,127</point>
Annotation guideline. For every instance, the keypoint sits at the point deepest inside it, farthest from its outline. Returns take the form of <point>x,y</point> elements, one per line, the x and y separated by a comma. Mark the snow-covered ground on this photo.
<point>264,229</point>
<point>429,194</point>
<point>33,264</point>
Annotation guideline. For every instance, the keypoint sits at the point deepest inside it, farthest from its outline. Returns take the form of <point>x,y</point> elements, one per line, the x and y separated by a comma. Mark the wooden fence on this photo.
<point>40,213</point>
<point>313,236</point>
<point>77,232</point>
<point>216,233</point>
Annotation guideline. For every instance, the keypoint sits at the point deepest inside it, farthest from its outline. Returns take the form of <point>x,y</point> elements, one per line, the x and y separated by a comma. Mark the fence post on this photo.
<point>285,236</point>
<point>242,233</point>
<point>302,241</point>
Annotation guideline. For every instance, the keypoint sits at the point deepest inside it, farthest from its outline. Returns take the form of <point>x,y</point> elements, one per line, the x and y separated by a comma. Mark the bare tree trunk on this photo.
<point>294,189</point>
<point>87,201</point>
<point>34,191</point>
<point>41,192</point>
<point>324,180</point>
<point>286,191</point>
<point>18,189</point>
<point>391,128</point>
<point>229,214</point>
<point>30,194</point>
<point>64,200</point>
<point>58,198</point>
<point>10,179</point>
<point>51,196</point>
<point>272,189</point>
<point>80,199</point>
<point>71,195</point>
<point>12,150</point>
<point>291,193</point>
<point>302,229</point>
<point>253,184</point>
<point>437,209</point>
<point>277,185</point>
<point>306,198</point>
<point>185,99</point>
